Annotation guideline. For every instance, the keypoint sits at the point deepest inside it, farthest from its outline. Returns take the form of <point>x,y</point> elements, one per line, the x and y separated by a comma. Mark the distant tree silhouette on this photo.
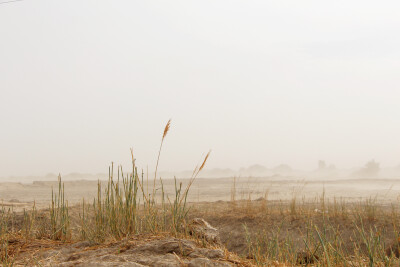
<point>370,170</point>
<point>321,165</point>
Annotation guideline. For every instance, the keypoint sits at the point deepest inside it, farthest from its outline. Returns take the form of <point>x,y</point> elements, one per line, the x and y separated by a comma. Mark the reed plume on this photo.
<point>166,129</point>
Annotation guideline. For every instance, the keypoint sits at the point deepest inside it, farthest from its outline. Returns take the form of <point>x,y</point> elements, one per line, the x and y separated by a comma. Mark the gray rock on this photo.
<point>200,228</point>
<point>167,252</point>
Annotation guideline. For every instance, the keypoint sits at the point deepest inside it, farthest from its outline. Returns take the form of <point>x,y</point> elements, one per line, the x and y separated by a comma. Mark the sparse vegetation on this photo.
<point>124,208</point>
<point>268,233</point>
<point>317,233</point>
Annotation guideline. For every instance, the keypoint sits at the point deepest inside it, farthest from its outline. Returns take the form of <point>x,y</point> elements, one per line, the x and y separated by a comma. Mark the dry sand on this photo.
<point>22,195</point>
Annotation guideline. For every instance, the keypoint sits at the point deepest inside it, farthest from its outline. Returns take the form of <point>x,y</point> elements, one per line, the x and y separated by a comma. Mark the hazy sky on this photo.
<point>265,82</point>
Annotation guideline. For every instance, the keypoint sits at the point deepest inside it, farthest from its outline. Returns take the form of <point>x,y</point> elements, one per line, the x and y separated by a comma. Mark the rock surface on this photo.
<point>168,252</point>
<point>198,227</point>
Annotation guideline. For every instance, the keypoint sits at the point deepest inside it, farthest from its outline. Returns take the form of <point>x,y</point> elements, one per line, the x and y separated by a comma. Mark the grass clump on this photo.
<point>59,218</point>
<point>6,216</point>
<point>128,207</point>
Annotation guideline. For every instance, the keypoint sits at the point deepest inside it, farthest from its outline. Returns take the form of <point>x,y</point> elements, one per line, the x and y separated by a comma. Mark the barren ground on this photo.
<point>261,205</point>
<point>384,191</point>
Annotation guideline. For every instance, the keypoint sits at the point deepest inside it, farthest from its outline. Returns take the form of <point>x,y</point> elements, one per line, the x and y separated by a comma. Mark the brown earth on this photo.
<point>267,218</point>
<point>265,208</point>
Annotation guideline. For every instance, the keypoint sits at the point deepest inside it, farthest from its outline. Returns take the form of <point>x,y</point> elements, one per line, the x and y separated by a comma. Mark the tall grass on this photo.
<point>128,207</point>
<point>6,216</point>
<point>59,217</point>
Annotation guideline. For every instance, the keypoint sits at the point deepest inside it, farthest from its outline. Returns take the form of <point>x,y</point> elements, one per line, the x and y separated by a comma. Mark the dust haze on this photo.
<point>293,91</point>
<point>108,111</point>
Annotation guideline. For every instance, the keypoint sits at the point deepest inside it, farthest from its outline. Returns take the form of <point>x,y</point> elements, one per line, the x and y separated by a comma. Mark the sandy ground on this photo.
<point>22,195</point>
<point>211,200</point>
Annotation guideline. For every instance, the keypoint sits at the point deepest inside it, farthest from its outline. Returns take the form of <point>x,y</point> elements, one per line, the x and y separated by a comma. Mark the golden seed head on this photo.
<point>204,162</point>
<point>166,129</point>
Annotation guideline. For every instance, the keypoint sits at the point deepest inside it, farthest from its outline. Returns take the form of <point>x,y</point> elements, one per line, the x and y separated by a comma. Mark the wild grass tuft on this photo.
<point>59,218</point>
<point>127,206</point>
<point>6,216</point>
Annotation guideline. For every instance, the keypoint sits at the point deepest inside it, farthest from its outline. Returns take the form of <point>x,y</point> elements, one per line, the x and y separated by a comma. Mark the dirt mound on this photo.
<point>151,252</point>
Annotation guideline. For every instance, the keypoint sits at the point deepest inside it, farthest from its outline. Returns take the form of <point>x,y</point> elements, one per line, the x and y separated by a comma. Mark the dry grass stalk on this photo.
<point>166,129</point>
